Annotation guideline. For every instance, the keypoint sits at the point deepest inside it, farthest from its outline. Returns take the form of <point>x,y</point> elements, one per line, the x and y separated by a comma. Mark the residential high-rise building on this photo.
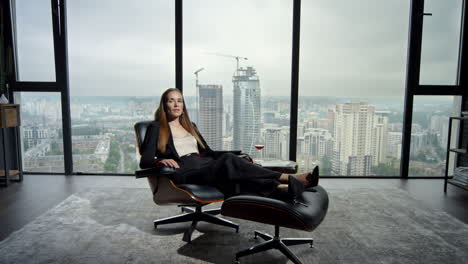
<point>318,143</point>
<point>300,130</point>
<point>380,138</point>
<point>418,142</point>
<point>394,144</point>
<point>285,134</point>
<point>35,135</point>
<point>353,139</point>
<point>227,121</point>
<point>300,145</point>
<point>272,143</point>
<point>246,114</point>
<point>331,117</point>
<point>439,125</point>
<point>210,120</point>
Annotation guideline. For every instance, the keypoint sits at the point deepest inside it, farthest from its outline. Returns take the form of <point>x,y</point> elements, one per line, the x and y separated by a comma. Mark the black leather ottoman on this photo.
<point>305,214</point>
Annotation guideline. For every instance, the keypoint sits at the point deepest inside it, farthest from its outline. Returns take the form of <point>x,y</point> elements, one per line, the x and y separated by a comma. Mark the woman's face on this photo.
<point>174,105</point>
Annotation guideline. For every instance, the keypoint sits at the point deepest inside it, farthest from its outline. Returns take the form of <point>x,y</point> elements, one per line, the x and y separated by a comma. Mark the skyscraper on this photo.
<point>318,143</point>
<point>380,138</point>
<point>394,144</point>
<point>353,134</point>
<point>210,120</point>
<point>246,114</point>
<point>439,125</point>
<point>272,143</point>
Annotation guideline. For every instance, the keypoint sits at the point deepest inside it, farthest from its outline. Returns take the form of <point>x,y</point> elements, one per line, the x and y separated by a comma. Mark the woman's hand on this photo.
<point>169,163</point>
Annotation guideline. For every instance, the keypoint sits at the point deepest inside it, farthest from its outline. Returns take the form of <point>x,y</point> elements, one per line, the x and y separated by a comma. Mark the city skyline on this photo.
<point>99,124</point>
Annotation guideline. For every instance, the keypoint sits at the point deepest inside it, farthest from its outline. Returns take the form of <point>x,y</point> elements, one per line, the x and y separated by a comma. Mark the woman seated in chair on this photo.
<point>173,140</point>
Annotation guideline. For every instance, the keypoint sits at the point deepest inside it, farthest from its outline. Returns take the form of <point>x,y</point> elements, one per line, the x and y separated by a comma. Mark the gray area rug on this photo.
<point>115,226</point>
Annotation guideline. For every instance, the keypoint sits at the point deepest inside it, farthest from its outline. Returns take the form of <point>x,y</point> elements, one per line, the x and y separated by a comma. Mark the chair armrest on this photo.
<point>155,171</point>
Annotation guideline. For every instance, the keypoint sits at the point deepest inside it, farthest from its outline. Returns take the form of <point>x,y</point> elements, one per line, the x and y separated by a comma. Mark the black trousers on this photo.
<point>225,173</point>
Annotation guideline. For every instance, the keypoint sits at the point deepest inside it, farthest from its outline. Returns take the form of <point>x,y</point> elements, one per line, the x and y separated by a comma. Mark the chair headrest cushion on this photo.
<point>140,131</point>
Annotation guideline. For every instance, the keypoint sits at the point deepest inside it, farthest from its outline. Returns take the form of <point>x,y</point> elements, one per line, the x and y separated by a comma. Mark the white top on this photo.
<point>185,145</point>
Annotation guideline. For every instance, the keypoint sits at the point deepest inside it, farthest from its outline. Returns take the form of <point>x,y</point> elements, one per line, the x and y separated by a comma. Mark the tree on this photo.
<point>113,159</point>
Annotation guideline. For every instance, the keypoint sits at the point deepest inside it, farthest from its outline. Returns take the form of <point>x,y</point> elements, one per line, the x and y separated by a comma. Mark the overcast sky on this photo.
<point>348,48</point>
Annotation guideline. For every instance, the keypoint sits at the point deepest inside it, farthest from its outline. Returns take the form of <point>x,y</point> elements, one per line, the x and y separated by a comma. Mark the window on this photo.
<point>41,131</point>
<point>34,38</point>
<point>429,134</point>
<point>121,57</point>
<point>440,43</point>
<point>238,55</point>
<point>351,86</point>
<point>237,68</point>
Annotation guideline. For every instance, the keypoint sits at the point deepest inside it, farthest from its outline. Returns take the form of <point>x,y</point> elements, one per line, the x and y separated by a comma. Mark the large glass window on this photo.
<point>41,131</point>
<point>351,86</point>
<point>240,51</point>
<point>440,42</point>
<point>429,134</point>
<point>122,57</point>
<point>34,40</point>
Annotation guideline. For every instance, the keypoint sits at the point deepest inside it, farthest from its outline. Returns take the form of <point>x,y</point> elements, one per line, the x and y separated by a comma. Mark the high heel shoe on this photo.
<point>313,178</point>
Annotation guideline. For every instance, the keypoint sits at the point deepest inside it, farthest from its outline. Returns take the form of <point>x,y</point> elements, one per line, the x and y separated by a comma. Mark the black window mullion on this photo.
<point>413,66</point>
<point>463,50</point>
<point>10,47</point>
<point>461,78</point>
<point>294,79</point>
<point>22,86</point>
<point>437,90</point>
<point>178,43</point>
<point>59,24</point>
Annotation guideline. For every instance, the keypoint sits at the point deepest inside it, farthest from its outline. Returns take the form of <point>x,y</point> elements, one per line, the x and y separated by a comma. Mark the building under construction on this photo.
<point>246,114</point>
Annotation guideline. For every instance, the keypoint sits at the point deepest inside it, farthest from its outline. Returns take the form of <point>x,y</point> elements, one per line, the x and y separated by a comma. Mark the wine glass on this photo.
<point>259,147</point>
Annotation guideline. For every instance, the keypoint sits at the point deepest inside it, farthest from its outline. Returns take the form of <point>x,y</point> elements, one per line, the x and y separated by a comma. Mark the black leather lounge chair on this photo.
<point>190,197</point>
<point>305,214</point>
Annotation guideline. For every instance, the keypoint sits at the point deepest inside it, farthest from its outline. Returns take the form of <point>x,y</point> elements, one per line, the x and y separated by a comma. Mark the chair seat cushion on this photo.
<point>163,170</point>
<point>306,215</point>
<point>202,192</point>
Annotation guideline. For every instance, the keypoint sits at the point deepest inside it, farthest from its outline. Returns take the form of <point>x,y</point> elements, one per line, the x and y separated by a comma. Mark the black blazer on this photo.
<point>150,155</point>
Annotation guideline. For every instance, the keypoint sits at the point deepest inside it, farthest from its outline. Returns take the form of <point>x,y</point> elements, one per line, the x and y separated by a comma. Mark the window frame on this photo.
<point>412,86</point>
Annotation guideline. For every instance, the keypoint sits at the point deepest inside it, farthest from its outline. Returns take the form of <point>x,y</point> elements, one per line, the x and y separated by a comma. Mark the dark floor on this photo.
<point>21,202</point>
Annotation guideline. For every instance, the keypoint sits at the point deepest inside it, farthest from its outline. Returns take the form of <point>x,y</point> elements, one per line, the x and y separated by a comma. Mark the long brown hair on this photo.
<point>184,119</point>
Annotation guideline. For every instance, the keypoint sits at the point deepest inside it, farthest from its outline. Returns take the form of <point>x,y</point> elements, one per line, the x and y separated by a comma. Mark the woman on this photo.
<point>173,140</point>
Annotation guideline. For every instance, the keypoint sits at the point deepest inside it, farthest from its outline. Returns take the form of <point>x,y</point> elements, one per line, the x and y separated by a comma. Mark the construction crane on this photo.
<point>230,56</point>
<point>196,85</point>
<point>196,75</point>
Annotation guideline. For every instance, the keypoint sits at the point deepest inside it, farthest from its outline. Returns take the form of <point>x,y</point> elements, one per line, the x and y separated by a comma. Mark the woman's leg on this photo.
<point>229,169</point>
<point>194,170</point>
